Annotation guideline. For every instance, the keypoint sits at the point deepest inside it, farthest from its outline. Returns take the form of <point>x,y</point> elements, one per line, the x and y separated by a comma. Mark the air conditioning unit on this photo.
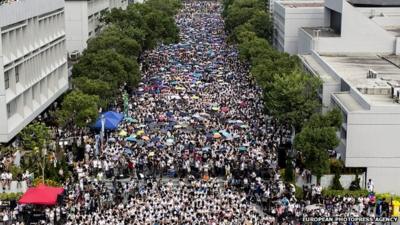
<point>74,55</point>
<point>372,74</point>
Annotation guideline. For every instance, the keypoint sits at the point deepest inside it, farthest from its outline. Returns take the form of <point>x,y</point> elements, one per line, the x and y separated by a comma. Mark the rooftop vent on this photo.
<point>372,74</point>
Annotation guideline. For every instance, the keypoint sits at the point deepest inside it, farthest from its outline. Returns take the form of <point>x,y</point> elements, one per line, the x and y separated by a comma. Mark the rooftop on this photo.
<point>375,2</point>
<point>348,101</point>
<point>321,31</point>
<point>302,4</point>
<point>354,70</point>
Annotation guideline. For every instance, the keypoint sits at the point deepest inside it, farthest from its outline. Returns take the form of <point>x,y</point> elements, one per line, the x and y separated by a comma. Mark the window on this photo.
<point>17,74</point>
<point>7,80</point>
<point>11,109</point>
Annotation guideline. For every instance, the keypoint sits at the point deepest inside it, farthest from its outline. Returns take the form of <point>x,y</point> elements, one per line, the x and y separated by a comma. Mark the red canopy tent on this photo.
<point>41,195</point>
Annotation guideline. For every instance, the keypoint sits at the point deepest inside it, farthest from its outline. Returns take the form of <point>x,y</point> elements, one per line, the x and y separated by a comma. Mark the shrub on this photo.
<point>355,184</point>
<point>10,196</point>
<point>336,185</point>
<point>48,182</point>
<point>289,172</point>
<point>336,166</point>
<point>387,196</point>
<point>299,193</point>
<point>335,193</point>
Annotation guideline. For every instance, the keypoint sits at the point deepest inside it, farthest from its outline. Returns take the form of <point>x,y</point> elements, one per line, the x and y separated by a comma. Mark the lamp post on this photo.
<point>44,153</point>
<point>103,122</point>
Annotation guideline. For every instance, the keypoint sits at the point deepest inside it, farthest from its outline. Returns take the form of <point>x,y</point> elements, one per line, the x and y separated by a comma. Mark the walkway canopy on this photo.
<point>41,195</point>
<point>112,119</point>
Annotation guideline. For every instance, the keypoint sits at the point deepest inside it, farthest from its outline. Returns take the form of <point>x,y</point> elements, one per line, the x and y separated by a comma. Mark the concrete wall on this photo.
<point>372,139</point>
<point>326,180</point>
<point>33,57</point>
<point>359,34</point>
<point>76,17</point>
<point>288,21</point>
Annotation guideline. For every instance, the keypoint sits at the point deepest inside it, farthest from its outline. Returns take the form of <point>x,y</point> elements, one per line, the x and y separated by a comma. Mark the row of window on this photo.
<point>29,34</point>
<point>45,87</point>
<point>33,67</point>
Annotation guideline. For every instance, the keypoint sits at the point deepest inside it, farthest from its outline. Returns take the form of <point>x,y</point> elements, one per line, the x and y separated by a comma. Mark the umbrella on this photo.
<point>217,135</point>
<point>128,151</point>
<point>151,154</point>
<point>169,142</point>
<point>242,148</point>
<point>313,207</point>
<point>224,109</point>
<point>123,133</point>
<point>215,108</point>
<point>226,134</point>
<point>195,97</point>
<point>146,138</point>
<point>130,138</point>
<point>140,132</point>
<point>130,120</point>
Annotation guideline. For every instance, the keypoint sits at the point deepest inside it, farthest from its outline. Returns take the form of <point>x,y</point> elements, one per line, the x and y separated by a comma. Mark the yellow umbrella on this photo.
<point>140,132</point>
<point>123,133</point>
<point>180,88</point>
<point>195,97</point>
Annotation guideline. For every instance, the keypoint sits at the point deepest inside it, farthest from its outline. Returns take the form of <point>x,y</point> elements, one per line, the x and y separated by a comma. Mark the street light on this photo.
<point>44,153</point>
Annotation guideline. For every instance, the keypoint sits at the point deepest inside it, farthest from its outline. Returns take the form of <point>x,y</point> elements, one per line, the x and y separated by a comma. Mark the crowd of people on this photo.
<point>195,146</point>
<point>195,128</point>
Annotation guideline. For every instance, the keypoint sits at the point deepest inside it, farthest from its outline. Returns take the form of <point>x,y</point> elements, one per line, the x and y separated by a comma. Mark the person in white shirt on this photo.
<point>370,186</point>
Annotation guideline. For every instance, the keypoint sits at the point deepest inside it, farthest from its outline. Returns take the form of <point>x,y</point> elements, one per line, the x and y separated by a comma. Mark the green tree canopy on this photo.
<point>112,38</point>
<point>78,108</point>
<point>108,66</point>
<point>241,11</point>
<point>292,98</point>
<point>96,87</point>
<point>35,135</point>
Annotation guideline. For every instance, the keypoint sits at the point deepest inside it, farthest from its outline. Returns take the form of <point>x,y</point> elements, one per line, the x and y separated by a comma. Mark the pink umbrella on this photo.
<point>225,109</point>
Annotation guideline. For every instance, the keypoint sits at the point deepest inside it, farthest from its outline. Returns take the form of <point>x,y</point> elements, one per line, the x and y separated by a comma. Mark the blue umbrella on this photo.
<point>130,138</point>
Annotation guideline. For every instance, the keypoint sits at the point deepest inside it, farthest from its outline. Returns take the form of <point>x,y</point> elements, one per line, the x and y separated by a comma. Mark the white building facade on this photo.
<point>33,61</point>
<point>290,16</point>
<point>356,54</point>
<point>83,20</point>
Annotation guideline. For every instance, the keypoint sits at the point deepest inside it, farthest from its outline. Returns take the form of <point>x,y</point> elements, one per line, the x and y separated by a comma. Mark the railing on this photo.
<point>7,1</point>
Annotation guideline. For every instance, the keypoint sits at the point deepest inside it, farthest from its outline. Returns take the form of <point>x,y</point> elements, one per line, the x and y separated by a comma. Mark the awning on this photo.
<point>41,195</point>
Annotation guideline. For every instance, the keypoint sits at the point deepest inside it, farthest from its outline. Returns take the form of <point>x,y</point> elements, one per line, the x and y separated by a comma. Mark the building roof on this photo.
<point>348,101</point>
<point>375,2</point>
<point>354,69</point>
<point>293,4</point>
<point>321,31</point>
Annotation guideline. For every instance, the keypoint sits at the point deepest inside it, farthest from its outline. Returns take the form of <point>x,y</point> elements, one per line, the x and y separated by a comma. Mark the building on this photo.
<point>33,61</point>
<point>83,20</point>
<point>290,16</point>
<point>356,54</point>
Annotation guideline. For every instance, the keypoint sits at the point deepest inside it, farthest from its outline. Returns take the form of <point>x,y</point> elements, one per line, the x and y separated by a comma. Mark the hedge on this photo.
<point>335,193</point>
<point>10,196</point>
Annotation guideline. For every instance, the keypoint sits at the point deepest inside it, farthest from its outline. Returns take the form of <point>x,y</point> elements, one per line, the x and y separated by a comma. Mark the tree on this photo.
<point>108,66</point>
<point>292,98</point>
<point>96,87</point>
<point>332,118</point>
<point>112,38</point>
<point>289,171</point>
<point>35,136</point>
<point>78,108</point>
<point>239,12</point>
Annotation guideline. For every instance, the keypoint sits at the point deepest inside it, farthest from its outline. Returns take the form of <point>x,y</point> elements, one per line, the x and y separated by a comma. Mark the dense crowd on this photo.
<point>195,146</point>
